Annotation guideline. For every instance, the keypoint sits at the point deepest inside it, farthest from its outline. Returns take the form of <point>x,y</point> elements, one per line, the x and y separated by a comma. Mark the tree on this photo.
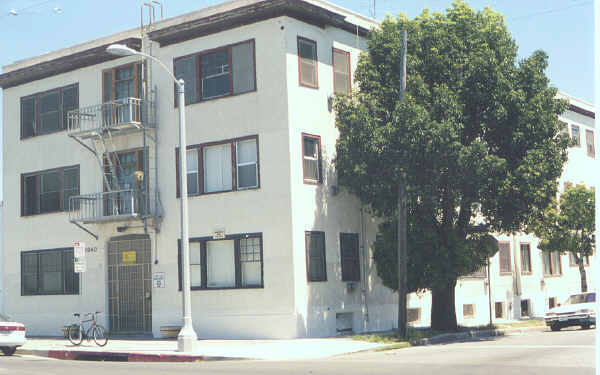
<point>568,226</point>
<point>475,136</point>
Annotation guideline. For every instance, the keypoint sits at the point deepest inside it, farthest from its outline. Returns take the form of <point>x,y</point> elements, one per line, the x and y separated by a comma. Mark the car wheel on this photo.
<point>8,350</point>
<point>555,327</point>
<point>585,326</point>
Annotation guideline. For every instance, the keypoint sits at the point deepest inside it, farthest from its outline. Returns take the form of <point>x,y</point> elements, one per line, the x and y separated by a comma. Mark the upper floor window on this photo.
<point>311,158</point>
<point>122,82</point>
<point>222,166</point>
<point>48,191</point>
<point>504,250</point>
<point>575,135</point>
<point>220,72</point>
<point>46,112</point>
<point>341,72</point>
<point>589,141</point>
<point>525,258</point>
<point>307,62</point>
<point>552,264</point>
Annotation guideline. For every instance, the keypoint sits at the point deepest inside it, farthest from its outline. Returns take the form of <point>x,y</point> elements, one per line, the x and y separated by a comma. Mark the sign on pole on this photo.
<point>79,249</point>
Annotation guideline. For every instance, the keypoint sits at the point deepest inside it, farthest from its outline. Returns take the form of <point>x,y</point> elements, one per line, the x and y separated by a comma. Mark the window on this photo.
<point>567,185</point>
<point>311,157</point>
<point>221,166</point>
<point>307,63</point>
<point>468,311</point>
<point>573,261</point>
<point>216,73</point>
<point>589,141</point>
<point>525,308</point>
<point>499,310</point>
<point>413,315</point>
<point>122,82</point>
<point>48,272</point>
<point>575,135</point>
<point>551,302</point>
<point>350,257</point>
<point>131,191</point>
<point>525,258</point>
<point>341,72</point>
<point>46,112</point>
<point>48,191</point>
<point>564,128</point>
<point>233,262</point>
<point>504,250</point>
<point>552,264</point>
<point>316,264</point>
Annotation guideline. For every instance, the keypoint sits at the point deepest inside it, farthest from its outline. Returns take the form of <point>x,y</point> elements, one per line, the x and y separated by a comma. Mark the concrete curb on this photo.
<point>450,337</point>
<point>84,355</point>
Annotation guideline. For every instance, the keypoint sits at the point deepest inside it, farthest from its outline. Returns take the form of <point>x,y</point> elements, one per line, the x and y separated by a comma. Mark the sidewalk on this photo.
<point>205,350</point>
<point>165,350</point>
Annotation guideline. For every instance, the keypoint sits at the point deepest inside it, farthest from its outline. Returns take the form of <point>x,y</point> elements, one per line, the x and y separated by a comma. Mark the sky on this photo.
<point>562,28</point>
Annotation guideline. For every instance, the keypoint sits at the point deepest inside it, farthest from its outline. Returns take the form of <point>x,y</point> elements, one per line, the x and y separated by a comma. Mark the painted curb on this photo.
<point>81,355</point>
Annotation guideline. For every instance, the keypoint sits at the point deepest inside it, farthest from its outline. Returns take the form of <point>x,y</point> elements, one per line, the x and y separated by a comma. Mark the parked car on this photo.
<point>578,310</point>
<point>12,335</point>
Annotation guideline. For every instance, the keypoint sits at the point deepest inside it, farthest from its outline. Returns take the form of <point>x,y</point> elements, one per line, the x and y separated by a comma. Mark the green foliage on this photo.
<point>474,139</point>
<point>568,225</point>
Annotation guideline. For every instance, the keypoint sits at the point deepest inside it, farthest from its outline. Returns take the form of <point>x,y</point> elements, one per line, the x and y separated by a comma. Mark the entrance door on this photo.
<point>129,285</point>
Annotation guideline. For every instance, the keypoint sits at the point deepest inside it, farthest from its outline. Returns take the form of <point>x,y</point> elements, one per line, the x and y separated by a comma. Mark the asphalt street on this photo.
<point>548,353</point>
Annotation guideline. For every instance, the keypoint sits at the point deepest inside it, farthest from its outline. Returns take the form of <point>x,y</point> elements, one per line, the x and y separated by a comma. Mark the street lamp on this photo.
<point>187,336</point>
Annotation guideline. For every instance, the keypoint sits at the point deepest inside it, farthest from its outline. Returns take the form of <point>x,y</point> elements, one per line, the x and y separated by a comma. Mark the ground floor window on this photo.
<point>525,308</point>
<point>468,311</point>
<point>551,302</point>
<point>232,262</point>
<point>413,315</point>
<point>48,272</point>
<point>499,310</point>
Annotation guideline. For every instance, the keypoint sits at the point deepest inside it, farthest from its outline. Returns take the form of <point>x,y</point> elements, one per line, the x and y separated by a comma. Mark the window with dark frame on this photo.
<point>307,63</point>
<point>311,158</point>
<point>589,142</point>
<point>342,81</point>
<point>551,302</point>
<point>468,310</point>
<point>575,135</point>
<point>48,191</point>
<point>525,258</point>
<point>46,112</point>
<point>316,263</point>
<point>231,263</point>
<point>224,71</point>
<point>525,308</point>
<point>499,310</point>
<point>413,315</point>
<point>350,258</point>
<point>45,272</point>
<point>552,265</point>
<point>504,257</point>
<point>122,82</point>
<point>222,166</point>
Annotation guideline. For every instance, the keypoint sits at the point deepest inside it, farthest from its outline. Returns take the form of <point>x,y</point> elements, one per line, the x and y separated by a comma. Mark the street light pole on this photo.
<point>187,336</point>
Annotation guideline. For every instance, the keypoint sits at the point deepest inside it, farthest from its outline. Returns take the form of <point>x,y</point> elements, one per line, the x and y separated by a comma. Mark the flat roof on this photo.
<point>188,26</point>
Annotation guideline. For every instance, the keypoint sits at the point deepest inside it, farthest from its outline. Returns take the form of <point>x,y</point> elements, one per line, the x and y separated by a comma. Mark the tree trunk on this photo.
<point>582,274</point>
<point>443,310</point>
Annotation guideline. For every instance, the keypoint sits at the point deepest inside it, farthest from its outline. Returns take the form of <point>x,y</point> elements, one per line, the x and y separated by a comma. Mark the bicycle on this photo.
<point>77,331</point>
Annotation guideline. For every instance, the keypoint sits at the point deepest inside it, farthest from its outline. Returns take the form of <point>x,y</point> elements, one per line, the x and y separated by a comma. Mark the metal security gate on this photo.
<point>130,285</point>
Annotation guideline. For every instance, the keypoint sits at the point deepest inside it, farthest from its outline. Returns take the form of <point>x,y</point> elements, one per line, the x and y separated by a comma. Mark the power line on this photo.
<point>554,10</point>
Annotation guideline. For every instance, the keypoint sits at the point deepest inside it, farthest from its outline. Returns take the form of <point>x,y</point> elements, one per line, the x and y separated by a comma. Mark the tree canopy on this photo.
<point>475,140</point>
<point>568,226</point>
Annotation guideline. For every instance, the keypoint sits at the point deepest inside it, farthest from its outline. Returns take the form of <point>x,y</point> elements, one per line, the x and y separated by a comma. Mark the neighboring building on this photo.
<point>90,144</point>
<point>525,282</point>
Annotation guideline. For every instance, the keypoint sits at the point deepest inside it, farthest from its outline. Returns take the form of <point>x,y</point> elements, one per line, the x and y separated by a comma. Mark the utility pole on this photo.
<point>402,218</point>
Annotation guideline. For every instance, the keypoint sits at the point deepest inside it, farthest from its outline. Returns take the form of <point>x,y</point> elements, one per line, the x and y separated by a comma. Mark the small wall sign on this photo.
<point>158,280</point>
<point>129,256</point>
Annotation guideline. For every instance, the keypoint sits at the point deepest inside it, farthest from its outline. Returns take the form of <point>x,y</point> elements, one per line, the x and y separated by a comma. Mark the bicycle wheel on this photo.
<point>100,335</point>
<point>75,334</point>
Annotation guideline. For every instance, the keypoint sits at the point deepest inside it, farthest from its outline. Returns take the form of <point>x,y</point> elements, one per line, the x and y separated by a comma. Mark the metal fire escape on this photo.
<point>105,130</point>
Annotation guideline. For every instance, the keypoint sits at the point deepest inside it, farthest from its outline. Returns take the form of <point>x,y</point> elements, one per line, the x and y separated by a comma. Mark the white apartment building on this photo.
<point>524,282</point>
<point>90,143</point>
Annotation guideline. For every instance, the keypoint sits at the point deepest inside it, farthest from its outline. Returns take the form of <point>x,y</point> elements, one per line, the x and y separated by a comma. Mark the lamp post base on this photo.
<point>186,340</point>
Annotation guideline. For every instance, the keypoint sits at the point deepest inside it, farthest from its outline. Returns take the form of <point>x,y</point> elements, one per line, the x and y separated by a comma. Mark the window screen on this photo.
<point>242,56</point>
<point>341,71</point>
